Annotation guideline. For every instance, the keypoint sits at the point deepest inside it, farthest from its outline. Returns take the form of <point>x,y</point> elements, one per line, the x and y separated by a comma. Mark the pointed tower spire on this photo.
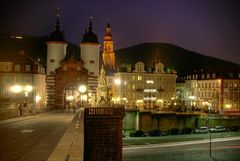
<point>108,29</point>
<point>90,28</point>
<point>108,34</point>
<point>57,26</point>
<point>57,34</point>
<point>89,35</point>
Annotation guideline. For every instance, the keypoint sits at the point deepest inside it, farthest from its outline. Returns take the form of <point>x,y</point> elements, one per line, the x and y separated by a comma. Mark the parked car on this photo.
<point>234,128</point>
<point>201,130</point>
<point>137,133</point>
<point>154,133</point>
<point>164,133</point>
<point>186,130</point>
<point>174,131</point>
<point>218,129</point>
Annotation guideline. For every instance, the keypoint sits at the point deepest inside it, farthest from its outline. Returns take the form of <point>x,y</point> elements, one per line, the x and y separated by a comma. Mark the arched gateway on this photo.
<point>69,76</point>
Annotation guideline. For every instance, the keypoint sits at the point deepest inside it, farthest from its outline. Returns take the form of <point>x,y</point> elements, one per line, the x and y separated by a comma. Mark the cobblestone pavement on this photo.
<point>32,138</point>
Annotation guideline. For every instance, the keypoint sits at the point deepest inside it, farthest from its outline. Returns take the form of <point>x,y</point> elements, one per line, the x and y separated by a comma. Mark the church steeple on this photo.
<point>57,26</point>
<point>108,35</point>
<point>90,28</point>
<point>108,50</point>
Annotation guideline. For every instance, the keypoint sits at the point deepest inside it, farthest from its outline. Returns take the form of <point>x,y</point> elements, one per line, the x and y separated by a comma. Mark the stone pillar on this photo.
<point>103,133</point>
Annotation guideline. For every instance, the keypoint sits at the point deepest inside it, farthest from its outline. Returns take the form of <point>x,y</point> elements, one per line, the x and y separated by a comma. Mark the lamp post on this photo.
<point>118,89</point>
<point>16,89</point>
<point>82,89</point>
<point>210,134</point>
<point>37,99</point>
<point>150,84</point>
<point>27,89</point>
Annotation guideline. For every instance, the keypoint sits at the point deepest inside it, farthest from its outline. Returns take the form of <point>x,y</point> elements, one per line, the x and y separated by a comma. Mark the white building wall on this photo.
<point>56,51</point>
<point>90,56</point>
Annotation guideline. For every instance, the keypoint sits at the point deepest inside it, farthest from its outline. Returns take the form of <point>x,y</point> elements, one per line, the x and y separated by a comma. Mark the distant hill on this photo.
<point>173,57</point>
<point>34,46</point>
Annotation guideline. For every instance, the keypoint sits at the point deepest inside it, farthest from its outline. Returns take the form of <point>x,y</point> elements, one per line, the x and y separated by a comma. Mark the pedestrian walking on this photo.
<point>74,108</point>
<point>20,108</point>
<point>24,107</point>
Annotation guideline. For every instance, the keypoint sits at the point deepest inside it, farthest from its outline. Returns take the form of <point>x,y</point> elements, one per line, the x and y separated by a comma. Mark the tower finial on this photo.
<point>58,12</point>
<point>90,28</point>
<point>57,26</point>
<point>108,28</point>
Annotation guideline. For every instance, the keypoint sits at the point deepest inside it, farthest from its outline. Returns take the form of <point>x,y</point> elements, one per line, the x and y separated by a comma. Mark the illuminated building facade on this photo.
<point>221,92</point>
<point>21,80</point>
<point>144,88</point>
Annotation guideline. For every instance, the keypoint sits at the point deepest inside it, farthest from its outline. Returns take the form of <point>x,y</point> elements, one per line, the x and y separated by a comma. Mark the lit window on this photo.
<point>6,93</point>
<point>17,68</point>
<point>6,79</point>
<point>235,85</point>
<point>28,79</point>
<point>139,77</point>
<point>133,77</point>
<point>28,68</point>
<point>133,86</point>
<point>6,68</point>
<point>39,69</point>
<point>18,79</point>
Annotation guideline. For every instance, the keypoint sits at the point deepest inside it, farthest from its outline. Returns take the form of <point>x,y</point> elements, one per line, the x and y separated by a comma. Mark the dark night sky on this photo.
<point>210,27</point>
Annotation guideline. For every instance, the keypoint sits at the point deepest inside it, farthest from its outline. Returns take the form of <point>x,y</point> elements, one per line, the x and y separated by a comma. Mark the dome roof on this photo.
<point>89,35</point>
<point>58,34</point>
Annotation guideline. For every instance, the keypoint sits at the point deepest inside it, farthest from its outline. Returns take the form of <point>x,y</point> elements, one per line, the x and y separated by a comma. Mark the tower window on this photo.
<point>52,60</point>
<point>91,61</point>
<point>91,73</point>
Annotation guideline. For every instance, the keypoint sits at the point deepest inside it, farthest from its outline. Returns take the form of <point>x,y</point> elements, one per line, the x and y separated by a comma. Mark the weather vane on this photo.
<point>58,11</point>
<point>90,14</point>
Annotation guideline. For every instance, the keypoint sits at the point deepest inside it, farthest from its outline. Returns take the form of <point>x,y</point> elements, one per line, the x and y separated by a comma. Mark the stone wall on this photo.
<point>164,121</point>
<point>103,133</point>
<point>130,120</point>
<point>216,121</point>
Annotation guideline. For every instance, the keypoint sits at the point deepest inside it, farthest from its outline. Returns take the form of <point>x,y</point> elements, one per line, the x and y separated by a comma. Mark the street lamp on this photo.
<point>27,89</point>
<point>210,134</point>
<point>151,90</point>
<point>82,89</point>
<point>118,89</point>
<point>37,99</point>
<point>16,89</point>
